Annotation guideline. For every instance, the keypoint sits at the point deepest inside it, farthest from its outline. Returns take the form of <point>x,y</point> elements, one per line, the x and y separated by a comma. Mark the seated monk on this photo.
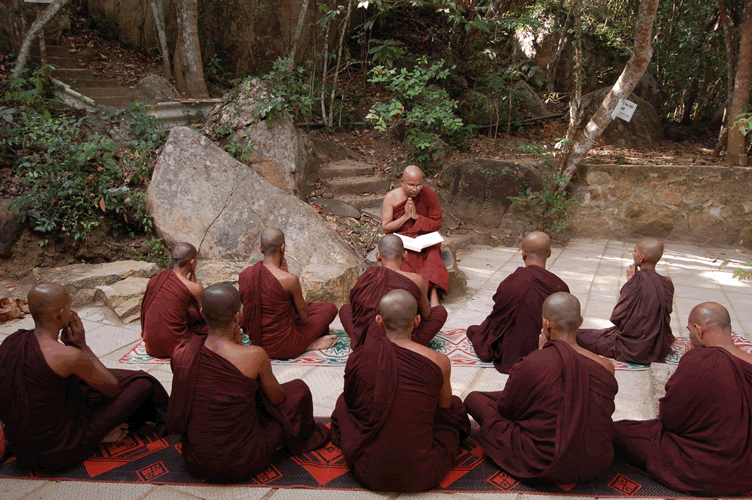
<point>59,401</point>
<point>510,332</point>
<point>275,315</point>
<point>552,421</point>
<point>228,406</point>
<point>412,210</point>
<point>642,315</point>
<point>169,310</point>
<point>397,423</point>
<point>359,316</point>
<point>700,443</point>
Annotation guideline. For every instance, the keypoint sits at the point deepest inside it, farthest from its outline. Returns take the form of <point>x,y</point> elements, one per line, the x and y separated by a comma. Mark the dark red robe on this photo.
<point>270,319</point>
<point>552,421</point>
<point>167,318</point>
<point>643,322</point>
<point>229,428</point>
<point>388,422</point>
<point>701,442</point>
<point>358,317</point>
<point>427,263</point>
<point>54,422</point>
<point>511,331</point>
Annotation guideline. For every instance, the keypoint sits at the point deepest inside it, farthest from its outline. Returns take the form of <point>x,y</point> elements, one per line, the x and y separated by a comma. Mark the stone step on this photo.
<point>96,93</point>
<point>63,62</point>
<point>115,102</point>
<point>372,202</point>
<point>357,185</point>
<point>345,168</point>
<point>50,50</point>
<point>67,74</point>
<point>86,83</point>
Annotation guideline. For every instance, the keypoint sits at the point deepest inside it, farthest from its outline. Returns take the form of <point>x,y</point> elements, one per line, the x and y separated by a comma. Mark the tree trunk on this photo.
<point>345,29</point>
<point>633,71</point>
<point>36,29</point>
<point>729,76</point>
<point>558,46</point>
<point>189,69</point>
<point>156,7</point>
<point>298,30</point>
<point>737,144</point>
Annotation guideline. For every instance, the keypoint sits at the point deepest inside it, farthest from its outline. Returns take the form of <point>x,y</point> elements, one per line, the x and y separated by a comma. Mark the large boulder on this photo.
<point>10,227</point>
<point>214,272</point>
<point>153,89</point>
<point>202,195</point>
<point>123,297</point>
<point>328,283</point>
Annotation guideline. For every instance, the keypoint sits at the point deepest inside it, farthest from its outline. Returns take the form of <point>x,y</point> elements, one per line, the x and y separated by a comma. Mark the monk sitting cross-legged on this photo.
<point>358,317</point>
<point>397,422</point>
<point>169,310</point>
<point>510,332</point>
<point>59,402</point>
<point>552,421</point>
<point>412,210</point>
<point>701,442</point>
<point>275,315</point>
<point>228,406</point>
<point>642,315</point>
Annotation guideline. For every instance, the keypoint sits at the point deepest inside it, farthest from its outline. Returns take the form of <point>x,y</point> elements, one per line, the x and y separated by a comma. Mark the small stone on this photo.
<point>339,207</point>
<point>650,220</point>
<point>622,189</point>
<point>671,196</point>
<point>328,283</point>
<point>598,178</point>
<point>124,297</point>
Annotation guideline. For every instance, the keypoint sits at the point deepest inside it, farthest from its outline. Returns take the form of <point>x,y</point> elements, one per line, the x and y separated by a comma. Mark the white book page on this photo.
<point>421,242</point>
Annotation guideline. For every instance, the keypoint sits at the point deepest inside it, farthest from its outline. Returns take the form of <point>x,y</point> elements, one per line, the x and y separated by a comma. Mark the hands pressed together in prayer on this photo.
<point>74,335</point>
<point>410,209</point>
<point>631,270</point>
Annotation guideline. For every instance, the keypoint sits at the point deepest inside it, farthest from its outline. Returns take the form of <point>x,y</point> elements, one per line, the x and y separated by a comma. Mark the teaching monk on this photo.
<point>552,421</point>
<point>169,310</point>
<point>412,210</point>
<point>701,442</point>
<point>230,410</point>
<point>359,316</point>
<point>275,314</point>
<point>397,422</point>
<point>642,316</point>
<point>59,402</point>
<point>511,331</point>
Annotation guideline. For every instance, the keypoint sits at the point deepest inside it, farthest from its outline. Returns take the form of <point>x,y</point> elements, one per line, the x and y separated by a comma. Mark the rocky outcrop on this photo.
<point>153,89</point>
<point>213,272</point>
<point>123,297</point>
<point>328,283</point>
<point>202,195</point>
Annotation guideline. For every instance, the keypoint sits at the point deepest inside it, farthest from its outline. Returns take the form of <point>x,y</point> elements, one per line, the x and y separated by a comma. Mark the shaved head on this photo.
<point>563,311</point>
<point>391,247</point>
<point>219,303</point>
<point>271,240</point>
<point>412,181</point>
<point>537,243</point>
<point>46,300</point>
<point>182,254</point>
<point>711,315</point>
<point>398,309</point>
<point>412,172</point>
<point>651,248</point>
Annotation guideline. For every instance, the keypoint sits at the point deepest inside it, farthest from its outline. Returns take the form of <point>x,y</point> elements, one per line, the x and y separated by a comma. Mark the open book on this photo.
<point>421,242</point>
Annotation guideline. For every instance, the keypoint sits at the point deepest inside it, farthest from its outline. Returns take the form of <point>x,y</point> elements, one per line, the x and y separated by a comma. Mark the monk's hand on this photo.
<point>74,334</point>
<point>410,209</point>
<point>631,270</point>
<point>542,340</point>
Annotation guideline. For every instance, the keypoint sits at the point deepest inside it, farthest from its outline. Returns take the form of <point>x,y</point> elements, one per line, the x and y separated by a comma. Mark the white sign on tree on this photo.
<point>624,110</point>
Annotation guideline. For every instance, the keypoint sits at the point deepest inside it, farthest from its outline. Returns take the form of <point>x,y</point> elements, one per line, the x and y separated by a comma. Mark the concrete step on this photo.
<point>96,93</point>
<point>357,185</point>
<point>67,74</point>
<point>345,168</point>
<point>372,202</point>
<point>63,62</point>
<point>115,102</point>
<point>87,83</point>
<point>50,50</point>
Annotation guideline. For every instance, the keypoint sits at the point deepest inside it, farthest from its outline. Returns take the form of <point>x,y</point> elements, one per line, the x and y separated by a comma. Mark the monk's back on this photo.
<point>165,321</point>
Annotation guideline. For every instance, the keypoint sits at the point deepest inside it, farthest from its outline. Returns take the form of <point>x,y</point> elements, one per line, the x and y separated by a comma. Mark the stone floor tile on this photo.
<point>19,324</point>
<point>100,313</point>
<point>598,309</point>
<point>464,319</point>
<point>305,494</point>
<point>170,493</point>
<point>705,280</point>
<point>462,378</point>
<point>14,489</point>
<point>478,267</point>
<point>326,384</point>
<point>75,489</point>
<point>112,360</point>
<point>223,492</point>
<point>700,294</point>
<point>499,255</point>
<point>597,322</point>
<point>480,302</point>
<point>682,308</point>
<point>635,399</point>
<point>659,375</point>
<point>107,339</point>
<point>571,275</point>
<point>286,373</point>
<point>489,380</point>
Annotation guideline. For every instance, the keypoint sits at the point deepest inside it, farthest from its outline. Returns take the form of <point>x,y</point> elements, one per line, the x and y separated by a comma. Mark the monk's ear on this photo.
<point>404,254</point>
<point>549,252</point>
<point>261,249</point>
<point>581,321</point>
<point>416,321</point>
<point>378,257</point>
<point>380,320</point>
<point>282,248</point>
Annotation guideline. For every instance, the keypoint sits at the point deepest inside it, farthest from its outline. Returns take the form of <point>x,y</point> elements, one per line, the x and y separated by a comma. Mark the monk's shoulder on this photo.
<point>393,197</point>
<point>287,280</point>
<point>61,358</point>
<point>605,363</point>
<point>438,358</point>
<point>247,359</point>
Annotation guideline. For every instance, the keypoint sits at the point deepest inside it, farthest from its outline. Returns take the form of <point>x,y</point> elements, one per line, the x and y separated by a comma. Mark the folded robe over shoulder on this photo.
<point>388,422</point>
<point>52,422</point>
<point>552,421</point>
<point>230,429</point>
<point>642,319</point>
<point>427,263</point>
<point>358,317</point>
<point>269,317</point>
<point>511,331</point>
<point>701,442</point>
<point>166,315</point>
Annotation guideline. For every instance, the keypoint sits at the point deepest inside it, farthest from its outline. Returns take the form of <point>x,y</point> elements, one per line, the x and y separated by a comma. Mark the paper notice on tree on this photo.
<point>421,242</point>
<point>624,109</point>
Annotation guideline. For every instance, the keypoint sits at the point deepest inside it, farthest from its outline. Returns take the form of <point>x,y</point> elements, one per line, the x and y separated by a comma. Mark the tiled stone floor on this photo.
<point>594,270</point>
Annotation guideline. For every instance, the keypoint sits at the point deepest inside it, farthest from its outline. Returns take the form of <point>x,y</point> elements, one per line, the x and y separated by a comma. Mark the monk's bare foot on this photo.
<point>434,297</point>
<point>117,434</point>
<point>322,343</point>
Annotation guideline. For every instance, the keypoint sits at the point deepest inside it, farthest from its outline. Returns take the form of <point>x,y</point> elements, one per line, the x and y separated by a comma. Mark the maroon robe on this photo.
<point>166,315</point>
<point>270,319</point>
<point>643,322</point>
<point>229,428</point>
<point>552,421</point>
<point>427,263</point>
<point>511,331</point>
<point>388,422</point>
<point>54,422</point>
<point>701,442</point>
<point>358,317</point>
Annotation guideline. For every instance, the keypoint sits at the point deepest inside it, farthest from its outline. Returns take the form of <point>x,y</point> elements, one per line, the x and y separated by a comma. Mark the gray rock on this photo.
<point>242,105</point>
<point>326,150</point>
<point>10,227</point>
<point>339,207</point>
<point>153,89</point>
<point>202,195</point>
<point>124,297</point>
<point>212,272</point>
<point>328,283</point>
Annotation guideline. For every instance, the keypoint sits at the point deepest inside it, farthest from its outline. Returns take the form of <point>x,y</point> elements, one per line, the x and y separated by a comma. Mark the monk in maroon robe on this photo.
<point>359,316</point>
<point>552,421</point>
<point>701,442</point>
<point>227,404</point>
<point>275,315</point>
<point>169,310</point>
<point>511,331</point>
<point>412,210</point>
<point>59,403</point>
<point>397,422</point>
<point>642,316</point>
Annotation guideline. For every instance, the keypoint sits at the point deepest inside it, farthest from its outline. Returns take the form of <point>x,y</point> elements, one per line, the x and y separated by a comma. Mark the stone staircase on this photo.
<point>354,183</point>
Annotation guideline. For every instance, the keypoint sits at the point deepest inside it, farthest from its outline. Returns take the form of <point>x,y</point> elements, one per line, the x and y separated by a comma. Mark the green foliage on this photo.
<point>743,274</point>
<point>744,123</point>
<point>386,51</point>
<point>241,150</point>
<point>291,93</point>
<point>550,208</point>
<point>153,250</point>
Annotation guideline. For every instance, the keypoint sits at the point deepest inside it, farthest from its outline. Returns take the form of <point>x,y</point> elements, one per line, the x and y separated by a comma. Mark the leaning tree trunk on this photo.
<point>633,71</point>
<point>729,77</point>
<point>36,28</point>
<point>189,70</point>
<point>298,30</point>
<point>737,145</point>
<point>159,22</point>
